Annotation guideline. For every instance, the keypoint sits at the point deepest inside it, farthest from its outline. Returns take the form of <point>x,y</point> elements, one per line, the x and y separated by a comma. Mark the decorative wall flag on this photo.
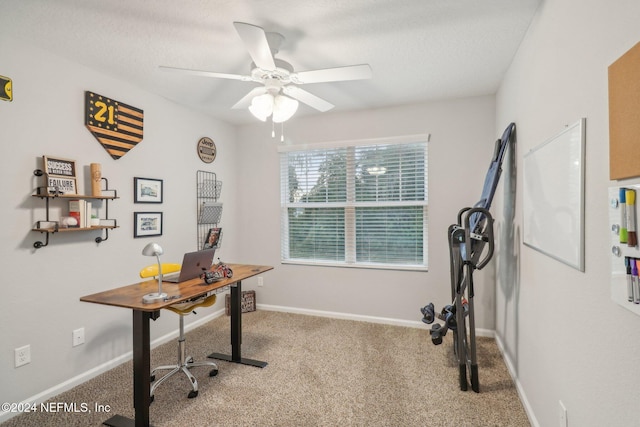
<point>117,126</point>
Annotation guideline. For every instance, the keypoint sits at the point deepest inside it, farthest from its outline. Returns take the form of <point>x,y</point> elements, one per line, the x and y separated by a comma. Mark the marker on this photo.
<point>627,264</point>
<point>632,238</point>
<point>623,214</point>
<point>636,285</point>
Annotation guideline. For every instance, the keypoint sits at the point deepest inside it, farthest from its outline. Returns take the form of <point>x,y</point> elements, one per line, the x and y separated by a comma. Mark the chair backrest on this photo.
<point>152,270</point>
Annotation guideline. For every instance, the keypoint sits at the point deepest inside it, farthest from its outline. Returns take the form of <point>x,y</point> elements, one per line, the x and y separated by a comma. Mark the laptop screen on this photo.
<point>193,265</point>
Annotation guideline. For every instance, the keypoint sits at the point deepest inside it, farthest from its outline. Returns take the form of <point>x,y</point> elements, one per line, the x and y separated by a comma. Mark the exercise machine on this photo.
<point>471,247</point>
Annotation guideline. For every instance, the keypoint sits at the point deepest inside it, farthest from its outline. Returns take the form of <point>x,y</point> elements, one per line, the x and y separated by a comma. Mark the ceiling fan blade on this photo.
<point>246,100</point>
<point>351,72</point>
<point>255,40</point>
<point>207,73</point>
<point>307,98</point>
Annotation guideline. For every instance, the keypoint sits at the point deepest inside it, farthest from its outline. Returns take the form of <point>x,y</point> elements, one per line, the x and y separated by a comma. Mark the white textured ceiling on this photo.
<point>419,50</point>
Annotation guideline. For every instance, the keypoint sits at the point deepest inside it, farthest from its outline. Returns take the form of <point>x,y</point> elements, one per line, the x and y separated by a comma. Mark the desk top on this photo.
<point>131,296</point>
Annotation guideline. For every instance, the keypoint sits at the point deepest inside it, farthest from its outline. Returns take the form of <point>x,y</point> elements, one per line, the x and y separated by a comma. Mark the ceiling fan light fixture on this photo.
<point>278,77</point>
<point>284,108</point>
<point>262,106</point>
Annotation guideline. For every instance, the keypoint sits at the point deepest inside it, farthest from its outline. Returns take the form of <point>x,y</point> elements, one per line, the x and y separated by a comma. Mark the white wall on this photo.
<point>462,137</point>
<point>41,288</point>
<point>563,335</point>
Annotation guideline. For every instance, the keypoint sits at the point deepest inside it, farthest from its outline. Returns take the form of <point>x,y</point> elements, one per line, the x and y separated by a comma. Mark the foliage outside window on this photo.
<point>359,204</point>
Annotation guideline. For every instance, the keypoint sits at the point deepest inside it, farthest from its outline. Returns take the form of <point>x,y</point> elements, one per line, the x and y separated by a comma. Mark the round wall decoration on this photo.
<point>207,149</point>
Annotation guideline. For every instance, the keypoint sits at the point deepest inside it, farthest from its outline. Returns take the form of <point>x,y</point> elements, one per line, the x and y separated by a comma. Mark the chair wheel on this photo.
<point>190,360</point>
<point>152,378</point>
<point>152,399</point>
<point>192,394</point>
<point>213,372</point>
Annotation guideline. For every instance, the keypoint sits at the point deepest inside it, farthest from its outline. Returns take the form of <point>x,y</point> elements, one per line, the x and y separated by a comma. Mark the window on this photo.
<point>361,204</point>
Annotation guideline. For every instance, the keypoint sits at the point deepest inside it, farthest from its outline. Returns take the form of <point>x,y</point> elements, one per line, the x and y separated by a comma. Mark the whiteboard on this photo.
<point>553,201</point>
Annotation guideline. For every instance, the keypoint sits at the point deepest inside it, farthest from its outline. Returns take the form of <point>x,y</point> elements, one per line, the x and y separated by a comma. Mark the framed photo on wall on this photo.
<point>146,224</point>
<point>147,190</point>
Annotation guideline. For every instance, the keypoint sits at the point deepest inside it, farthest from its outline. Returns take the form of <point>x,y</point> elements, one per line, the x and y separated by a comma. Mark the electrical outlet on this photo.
<point>563,421</point>
<point>22,355</point>
<point>78,337</point>
<point>260,281</point>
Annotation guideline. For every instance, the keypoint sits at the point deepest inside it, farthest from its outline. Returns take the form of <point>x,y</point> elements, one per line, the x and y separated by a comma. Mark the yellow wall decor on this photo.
<point>6,89</point>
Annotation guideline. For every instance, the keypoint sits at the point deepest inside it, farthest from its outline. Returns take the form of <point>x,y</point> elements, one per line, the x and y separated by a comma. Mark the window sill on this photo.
<point>371,266</point>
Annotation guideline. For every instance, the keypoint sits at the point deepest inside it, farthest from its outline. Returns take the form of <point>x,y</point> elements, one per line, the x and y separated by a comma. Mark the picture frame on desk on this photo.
<point>147,190</point>
<point>147,224</point>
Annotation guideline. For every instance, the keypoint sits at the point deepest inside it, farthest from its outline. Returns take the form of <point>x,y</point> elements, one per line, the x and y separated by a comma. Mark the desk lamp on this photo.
<point>154,249</point>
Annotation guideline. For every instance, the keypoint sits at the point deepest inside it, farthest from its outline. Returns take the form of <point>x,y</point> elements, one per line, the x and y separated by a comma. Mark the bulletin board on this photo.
<point>624,115</point>
<point>553,196</point>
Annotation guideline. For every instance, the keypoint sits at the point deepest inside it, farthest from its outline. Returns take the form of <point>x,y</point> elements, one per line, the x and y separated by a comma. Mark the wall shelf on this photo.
<point>49,226</point>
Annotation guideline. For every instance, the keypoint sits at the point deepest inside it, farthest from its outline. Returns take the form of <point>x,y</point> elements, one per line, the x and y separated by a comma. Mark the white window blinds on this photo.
<point>356,205</point>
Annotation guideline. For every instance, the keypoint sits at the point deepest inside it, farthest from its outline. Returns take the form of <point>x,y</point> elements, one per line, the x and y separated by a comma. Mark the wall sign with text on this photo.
<point>207,149</point>
<point>60,175</point>
<point>117,126</point>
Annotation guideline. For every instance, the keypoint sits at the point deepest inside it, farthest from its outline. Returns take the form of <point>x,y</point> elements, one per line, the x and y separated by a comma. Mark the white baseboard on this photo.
<point>104,367</point>
<point>523,397</point>
<point>359,317</point>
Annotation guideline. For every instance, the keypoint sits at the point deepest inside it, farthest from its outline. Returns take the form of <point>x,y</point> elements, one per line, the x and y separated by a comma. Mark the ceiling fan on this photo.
<point>279,94</point>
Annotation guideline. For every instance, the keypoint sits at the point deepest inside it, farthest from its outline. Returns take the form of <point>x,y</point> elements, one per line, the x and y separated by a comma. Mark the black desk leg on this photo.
<point>141,373</point>
<point>236,331</point>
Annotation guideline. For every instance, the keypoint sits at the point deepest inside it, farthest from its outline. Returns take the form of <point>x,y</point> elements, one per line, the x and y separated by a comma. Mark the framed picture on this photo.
<point>60,175</point>
<point>147,190</point>
<point>56,166</point>
<point>147,224</point>
<point>58,185</point>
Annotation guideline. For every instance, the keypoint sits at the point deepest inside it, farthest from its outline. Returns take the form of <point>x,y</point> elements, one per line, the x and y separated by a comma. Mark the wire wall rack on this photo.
<point>209,208</point>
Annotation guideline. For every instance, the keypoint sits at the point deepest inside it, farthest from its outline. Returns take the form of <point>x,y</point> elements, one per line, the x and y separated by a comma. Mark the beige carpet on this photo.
<point>321,372</point>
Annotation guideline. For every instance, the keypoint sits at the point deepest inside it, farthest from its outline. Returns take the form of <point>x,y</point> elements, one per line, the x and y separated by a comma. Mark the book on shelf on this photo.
<point>81,211</point>
<point>75,211</point>
<point>87,213</point>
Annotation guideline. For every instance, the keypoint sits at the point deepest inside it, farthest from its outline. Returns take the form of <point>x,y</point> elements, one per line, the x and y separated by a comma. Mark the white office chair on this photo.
<point>181,309</point>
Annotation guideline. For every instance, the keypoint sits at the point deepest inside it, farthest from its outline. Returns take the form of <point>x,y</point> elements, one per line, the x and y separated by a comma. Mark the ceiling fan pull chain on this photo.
<point>273,128</point>
<point>282,132</point>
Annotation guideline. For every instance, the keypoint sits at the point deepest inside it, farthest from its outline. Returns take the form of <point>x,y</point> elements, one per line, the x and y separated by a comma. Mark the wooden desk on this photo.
<point>131,297</point>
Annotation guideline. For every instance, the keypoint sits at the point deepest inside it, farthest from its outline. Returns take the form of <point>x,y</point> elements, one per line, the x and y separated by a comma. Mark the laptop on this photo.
<point>193,265</point>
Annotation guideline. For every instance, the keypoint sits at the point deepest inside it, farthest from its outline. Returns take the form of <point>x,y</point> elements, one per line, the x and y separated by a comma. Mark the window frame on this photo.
<point>350,206</point>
